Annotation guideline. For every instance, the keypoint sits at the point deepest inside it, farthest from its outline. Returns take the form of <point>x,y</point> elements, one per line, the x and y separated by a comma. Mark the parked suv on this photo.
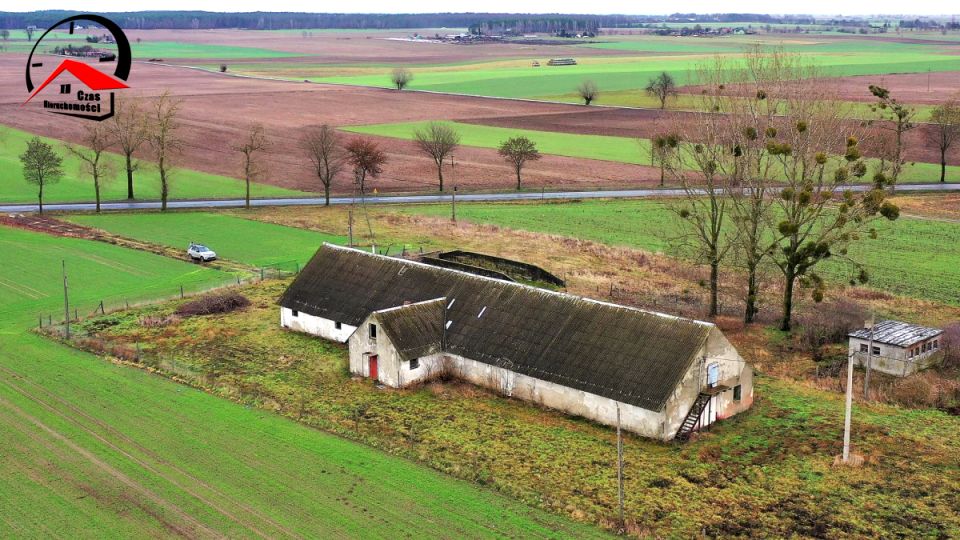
<point>201,253</point>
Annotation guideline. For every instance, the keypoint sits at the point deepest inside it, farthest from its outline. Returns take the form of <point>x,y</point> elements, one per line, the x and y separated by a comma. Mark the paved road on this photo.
<point>405,199</point>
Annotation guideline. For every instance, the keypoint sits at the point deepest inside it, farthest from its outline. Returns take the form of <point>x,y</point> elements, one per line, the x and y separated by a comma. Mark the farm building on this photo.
<point>898,348</point>
<point>407,322</point>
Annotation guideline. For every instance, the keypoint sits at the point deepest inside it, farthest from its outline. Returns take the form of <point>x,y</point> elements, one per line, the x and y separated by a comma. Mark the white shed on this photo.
<point>898,348</point>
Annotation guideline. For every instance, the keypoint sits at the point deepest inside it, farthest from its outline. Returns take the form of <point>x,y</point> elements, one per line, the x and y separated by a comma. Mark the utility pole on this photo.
<point>453,205</point>
<point>866,379</point>
<point>849,411</point>
<point>620,468</point>
<point>350,225</point>
<point>66,300</point>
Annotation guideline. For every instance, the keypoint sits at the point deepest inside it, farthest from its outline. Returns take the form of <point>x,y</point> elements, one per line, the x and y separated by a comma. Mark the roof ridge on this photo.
<point>523,286</point>
<point>401,306</point>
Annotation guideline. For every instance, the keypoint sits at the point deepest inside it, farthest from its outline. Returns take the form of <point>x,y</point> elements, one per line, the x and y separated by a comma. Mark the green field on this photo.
<point>903,249</point>
<point>602,147</point>
<point>242,240</point>
<point>76,187</point>
<point>96,449</point>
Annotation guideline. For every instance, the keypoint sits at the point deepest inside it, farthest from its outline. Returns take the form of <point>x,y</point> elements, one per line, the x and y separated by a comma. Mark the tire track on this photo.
<point>151,455</point>
<point>112,471</point>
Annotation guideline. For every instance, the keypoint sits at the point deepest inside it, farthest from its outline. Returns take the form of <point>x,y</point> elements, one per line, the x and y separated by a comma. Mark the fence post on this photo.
<point>261,273</point>
<point>49,320</point>
<point>297,266</point>
<point>138,351</point>
<point>127,303</point>
<point>102,312</point>
<point>41,321</point>
<point>76,314</point>
<point>181,291</point>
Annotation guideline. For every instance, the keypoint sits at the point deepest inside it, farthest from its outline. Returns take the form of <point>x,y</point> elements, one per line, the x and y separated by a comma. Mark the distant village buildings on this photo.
<point>407,322</point>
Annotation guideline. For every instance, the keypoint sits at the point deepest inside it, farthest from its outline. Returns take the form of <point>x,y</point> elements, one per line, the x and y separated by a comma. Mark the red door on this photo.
<point>373,366</point>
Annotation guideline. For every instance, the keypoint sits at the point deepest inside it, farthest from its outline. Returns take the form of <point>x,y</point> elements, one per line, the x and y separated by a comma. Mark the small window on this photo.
<point>337,325</point>
<point>923,347</point>
<point>863,347</point>
<point>294,312</point>
<point>415,363</point>
<point>876,350</point>
<point>911,353</point>
<point>737,391</point>
<point>936,344</point>
<point>373,331</point>
<point>916,351</point>
<point>713,374</point>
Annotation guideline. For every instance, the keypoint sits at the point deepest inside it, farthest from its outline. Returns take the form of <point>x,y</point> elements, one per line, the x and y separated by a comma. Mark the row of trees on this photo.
<point>764,182</point>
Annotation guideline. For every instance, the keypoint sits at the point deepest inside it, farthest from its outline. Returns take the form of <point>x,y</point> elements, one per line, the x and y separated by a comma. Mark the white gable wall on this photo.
<point>318,326</point>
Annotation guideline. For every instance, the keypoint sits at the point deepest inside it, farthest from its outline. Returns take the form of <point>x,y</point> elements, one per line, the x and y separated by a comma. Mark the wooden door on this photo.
<point>373,366</point>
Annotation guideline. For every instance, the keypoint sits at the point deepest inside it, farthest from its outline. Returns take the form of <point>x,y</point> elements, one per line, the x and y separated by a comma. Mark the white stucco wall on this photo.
<point>895,360</point>
<point>317,326</point>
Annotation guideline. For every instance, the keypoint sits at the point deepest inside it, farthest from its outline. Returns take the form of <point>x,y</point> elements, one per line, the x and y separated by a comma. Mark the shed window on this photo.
<point>337,325</point>
<point>936,344</point>
<point>415,363</point>
<point>876,350</point>
<point>737,392</point>
<point>373,331</point>
<point>294,312</point>
<point>863,347</point>
<point>923,347</point>
<point>916,351</point>
<point>911,353</point>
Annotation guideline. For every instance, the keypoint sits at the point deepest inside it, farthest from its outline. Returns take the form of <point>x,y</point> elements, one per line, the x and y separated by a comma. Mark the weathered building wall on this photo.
<point>318,326</point>
<point>891,359</point>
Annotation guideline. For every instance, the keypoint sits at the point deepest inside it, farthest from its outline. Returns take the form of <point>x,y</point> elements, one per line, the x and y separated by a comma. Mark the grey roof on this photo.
<point>897,333</point>
<point>626,354</point>
<point>415,329</point>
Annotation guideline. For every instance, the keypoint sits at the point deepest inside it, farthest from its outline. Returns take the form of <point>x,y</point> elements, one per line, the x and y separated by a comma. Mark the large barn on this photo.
<point>407,322</point>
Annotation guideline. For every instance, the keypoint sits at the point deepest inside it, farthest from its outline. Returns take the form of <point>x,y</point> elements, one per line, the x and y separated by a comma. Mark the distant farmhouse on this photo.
<point>407,322</point>
<point>899,348</point>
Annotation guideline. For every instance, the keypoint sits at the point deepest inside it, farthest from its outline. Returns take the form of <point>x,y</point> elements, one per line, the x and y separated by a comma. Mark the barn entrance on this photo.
<point>373,368</point>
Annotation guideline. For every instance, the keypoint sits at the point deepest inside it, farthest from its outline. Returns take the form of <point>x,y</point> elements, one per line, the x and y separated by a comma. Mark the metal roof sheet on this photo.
<point>897,333</point>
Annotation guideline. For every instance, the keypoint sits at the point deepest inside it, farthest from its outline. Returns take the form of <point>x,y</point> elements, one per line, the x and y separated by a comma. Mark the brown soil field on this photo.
<point>378,47</point>
<point>645,123</point>
<point>913,88</point>
<point>217,108</point>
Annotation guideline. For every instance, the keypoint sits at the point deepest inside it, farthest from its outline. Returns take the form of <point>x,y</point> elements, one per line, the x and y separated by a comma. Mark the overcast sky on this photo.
<point>822,7</point>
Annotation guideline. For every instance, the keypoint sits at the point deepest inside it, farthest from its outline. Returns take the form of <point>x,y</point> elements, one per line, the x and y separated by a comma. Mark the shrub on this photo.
<point>829,322</point>
<point>213,303</point>
<point>915,391</point>
<point>950,344</point>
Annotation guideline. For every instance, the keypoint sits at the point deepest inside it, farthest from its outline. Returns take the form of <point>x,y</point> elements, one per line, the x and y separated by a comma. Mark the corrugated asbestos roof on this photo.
<point>897,333</point>
<point>416,329</point>
<point>626,354</point>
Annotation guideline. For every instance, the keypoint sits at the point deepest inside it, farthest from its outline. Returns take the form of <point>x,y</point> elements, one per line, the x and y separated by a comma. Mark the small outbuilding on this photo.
<point>895,347</point>
<point>408,322</point>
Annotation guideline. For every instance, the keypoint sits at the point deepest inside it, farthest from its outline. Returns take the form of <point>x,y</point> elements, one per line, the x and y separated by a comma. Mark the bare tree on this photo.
<point>944,131</point>
<point>164,139</point>
<point>401,77</point>
<point>588,91</point>
<point>367,160</point>
<point>251,148</point>
<point>129,126</point>
<point>41,166</point>
<point>437,140</point>
<point>663,152</point>
<point>5,34</point>
<point>900,118</point>
<point>30,30</point>
<point>662,87</point>
<point>517,151</point>
<point>323,148</point>
<point>96,139</point>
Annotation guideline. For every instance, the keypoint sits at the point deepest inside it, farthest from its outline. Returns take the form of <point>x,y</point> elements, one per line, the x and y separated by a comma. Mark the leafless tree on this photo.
<point>663,153</point>
<point>323,147</point>
<point>662,87</point>
<point>944,131</point>
<point>253,145</point>
<point>401,77</point>
<point>164,138</point>
<point>367,160</point>
<point>437,140</point>
<point>96,139</point>
<point>588,91</point>
<point>899,119</point>
<point>129,127</point>
<point>41,166</point>
<point>517,151</point>
<point>30,32</point>
<point>5,34</point>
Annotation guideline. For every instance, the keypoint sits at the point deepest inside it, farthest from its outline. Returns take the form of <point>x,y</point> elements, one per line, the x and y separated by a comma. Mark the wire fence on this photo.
<point>79,307</point>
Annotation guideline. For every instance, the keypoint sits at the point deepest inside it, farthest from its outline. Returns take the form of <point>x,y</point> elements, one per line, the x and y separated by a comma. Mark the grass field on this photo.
<point>903,250</point>
<point>96,449</point>
<point>602,147</point>
<point>76,187</point>
<point>233,238</point>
